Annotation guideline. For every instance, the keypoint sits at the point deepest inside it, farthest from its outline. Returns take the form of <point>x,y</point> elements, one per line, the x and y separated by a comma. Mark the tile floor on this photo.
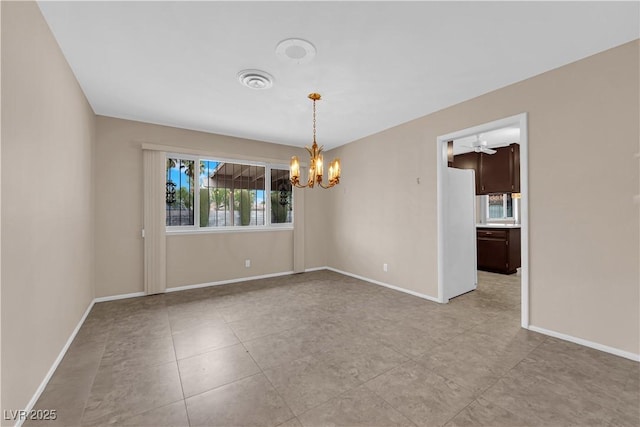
<point>320,349</point>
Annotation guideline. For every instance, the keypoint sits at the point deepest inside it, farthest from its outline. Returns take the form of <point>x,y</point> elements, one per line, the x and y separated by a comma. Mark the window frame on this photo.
<point>504,208</point>
<point>196,229</point>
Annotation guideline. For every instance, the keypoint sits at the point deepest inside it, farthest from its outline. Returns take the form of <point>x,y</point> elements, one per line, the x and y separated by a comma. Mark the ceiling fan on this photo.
<point>480,146</point>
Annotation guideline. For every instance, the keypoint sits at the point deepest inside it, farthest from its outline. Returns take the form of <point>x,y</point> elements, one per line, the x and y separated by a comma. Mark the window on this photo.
<point>229,194</point>
<point>179,194</point>
<point>499,206</point>
<point>281,197</point>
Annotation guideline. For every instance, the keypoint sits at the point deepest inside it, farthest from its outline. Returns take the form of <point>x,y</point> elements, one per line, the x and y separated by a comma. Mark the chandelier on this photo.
<point>316,161</point>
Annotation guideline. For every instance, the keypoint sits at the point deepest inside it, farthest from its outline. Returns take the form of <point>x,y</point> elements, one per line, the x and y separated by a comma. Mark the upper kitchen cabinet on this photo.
<point>500,172</point>
<point>495,173</point>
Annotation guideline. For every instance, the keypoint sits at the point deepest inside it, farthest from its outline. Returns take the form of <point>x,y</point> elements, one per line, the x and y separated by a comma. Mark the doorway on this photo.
<point>443,200</point>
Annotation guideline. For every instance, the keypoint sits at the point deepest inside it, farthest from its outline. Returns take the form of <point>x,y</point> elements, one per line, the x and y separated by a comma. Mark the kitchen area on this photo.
<point>494,157</point>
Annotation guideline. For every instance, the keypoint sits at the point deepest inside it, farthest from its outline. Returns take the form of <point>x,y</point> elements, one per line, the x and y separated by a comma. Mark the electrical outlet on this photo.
<point>247,263</point>
<point>385,267</point>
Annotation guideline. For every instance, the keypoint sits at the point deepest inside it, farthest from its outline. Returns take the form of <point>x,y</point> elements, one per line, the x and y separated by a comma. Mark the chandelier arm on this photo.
<point>326,187</point>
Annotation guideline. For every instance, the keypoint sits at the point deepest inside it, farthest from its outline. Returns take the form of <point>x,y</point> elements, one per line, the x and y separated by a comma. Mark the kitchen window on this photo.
<point>499,206</point>
<point>204,194</point>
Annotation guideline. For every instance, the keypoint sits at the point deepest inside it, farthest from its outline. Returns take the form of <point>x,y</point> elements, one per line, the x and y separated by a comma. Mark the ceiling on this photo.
<point>378,64</point>
<point>495,138</point>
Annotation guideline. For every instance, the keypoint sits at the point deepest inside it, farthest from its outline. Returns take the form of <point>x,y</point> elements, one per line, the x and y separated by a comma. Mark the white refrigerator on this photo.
<point>460,262</point>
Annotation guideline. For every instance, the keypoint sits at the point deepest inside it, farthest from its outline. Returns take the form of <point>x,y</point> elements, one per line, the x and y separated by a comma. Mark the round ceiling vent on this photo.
<point>255,79</point>
<point>295,51</point>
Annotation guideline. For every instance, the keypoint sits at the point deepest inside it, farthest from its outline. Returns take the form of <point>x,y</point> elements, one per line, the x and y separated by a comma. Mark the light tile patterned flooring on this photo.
<point>320,349</point>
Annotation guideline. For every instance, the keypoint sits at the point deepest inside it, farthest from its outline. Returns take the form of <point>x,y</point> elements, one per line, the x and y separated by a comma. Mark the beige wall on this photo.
<point>1,406</point>
<point>317,228</point>
<point>196,258</point>
<point>584,241</point>
<point>191,259</point>
<point>380,214</point>
<point>47,133</point>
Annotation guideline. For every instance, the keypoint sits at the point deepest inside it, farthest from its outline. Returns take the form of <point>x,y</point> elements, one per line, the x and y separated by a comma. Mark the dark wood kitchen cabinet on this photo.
<point>500,172</point>
<point>498,249</point>
<point>495,173</point>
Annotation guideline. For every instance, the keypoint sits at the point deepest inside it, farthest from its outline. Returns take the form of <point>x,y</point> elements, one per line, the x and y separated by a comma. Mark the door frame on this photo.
<point>519,120</point>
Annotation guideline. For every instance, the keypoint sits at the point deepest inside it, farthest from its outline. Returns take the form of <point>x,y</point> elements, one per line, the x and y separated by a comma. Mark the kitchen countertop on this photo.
<point>497,225</point>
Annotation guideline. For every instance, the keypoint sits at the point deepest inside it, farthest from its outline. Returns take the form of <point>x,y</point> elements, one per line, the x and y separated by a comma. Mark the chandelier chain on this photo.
<point>314,120</point>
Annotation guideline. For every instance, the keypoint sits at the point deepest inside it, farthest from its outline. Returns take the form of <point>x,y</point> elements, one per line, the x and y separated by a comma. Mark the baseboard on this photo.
<point>121,296</point>
<point>386,285</point>
<point>587,343</point>
<point>309,270</point>
<point>227,282</point>
<point>53,368</point>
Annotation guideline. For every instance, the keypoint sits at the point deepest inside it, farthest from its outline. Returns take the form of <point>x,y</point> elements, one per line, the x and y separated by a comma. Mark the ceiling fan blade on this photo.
<point>488,150</point>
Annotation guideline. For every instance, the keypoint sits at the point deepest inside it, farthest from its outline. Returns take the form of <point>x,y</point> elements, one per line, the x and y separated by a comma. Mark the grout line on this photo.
<point>360,382</point>
<point>93,380</point>
<point>205,351</point>
<point>263,374</point>
<point>152,409</point>
<point>184,397</point>
<point>475,399</point>
<point>133,414</point>
<point>263,336</point>
<point>484,390</point>
<point>186,410</point>
<point>386,401</point>
<point>223,385</point>
<point>175,354</point>
<point>481,393</point>
<point>314,406</point>
<point>331,398</point>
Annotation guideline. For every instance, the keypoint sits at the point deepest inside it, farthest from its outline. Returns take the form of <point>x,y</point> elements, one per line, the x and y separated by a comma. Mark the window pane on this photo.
<point>281,197</point>
<point>496,206</point>
<point>500,206</point>
<point>179,192</point>
<point>231,194</point>
<point>509,205</point>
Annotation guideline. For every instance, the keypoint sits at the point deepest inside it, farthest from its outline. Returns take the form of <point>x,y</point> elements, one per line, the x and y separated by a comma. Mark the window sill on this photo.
<point>246,229</point>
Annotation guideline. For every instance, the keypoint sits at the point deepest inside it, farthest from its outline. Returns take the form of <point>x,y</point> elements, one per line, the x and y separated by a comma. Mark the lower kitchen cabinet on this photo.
<point>498,249</point>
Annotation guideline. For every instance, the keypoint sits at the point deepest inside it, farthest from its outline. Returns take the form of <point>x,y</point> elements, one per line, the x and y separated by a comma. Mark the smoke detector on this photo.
<point>255,79</point>
<point>295,51</point>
